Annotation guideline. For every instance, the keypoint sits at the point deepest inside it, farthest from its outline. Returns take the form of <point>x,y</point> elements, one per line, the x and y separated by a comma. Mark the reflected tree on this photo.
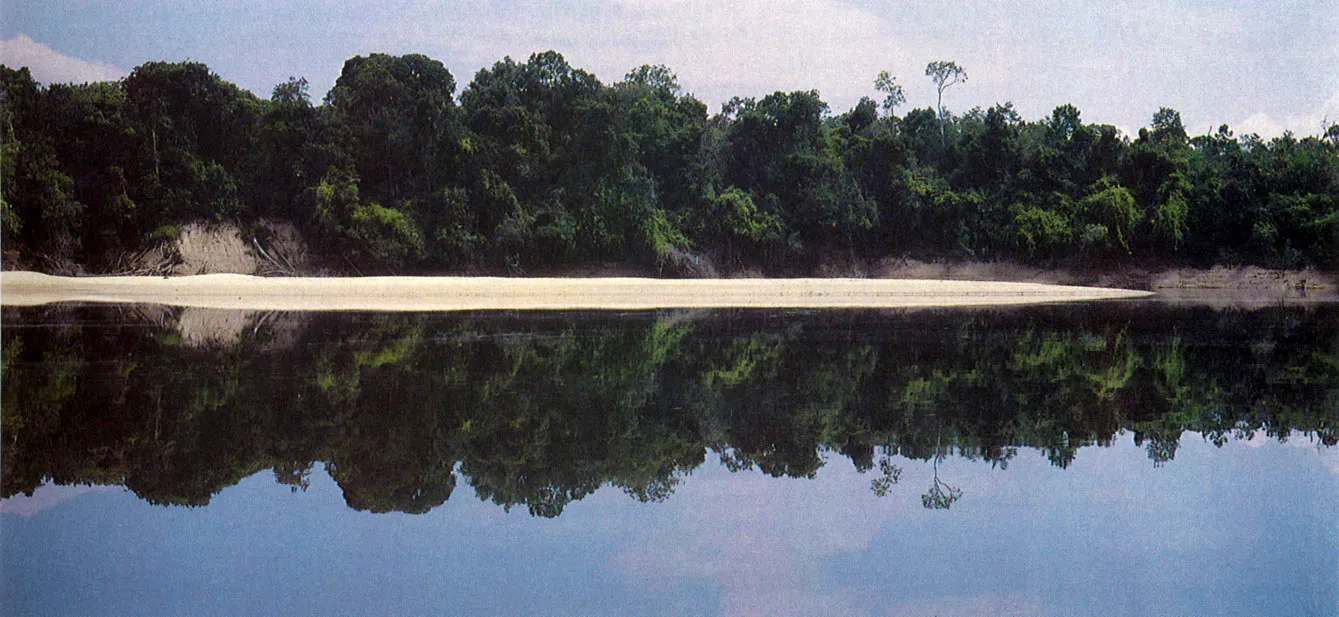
<point>889,474</point>
<point>539,411</point>
<point>941,495</point>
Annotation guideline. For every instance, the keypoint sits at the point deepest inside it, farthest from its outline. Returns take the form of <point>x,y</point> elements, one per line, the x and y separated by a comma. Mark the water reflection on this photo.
<point>1127,459</point>
<point>1242,529</point>
<point>540,410</point>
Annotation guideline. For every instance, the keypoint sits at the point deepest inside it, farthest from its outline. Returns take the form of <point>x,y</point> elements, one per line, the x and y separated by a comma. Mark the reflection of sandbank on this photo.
<point>210,327</point>
<point>233,291</point>
<point>223,328</point>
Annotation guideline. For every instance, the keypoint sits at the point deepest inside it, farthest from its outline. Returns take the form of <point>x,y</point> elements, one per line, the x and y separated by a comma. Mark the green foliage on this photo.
<point>456,237</point>
<point>954,217</point>
<point>1109,217</point>
<point>1167,126</point>
<point>944,74</point>
<point>396,118</point>
<point>10,221</point>
<point>363,230</point>
<point>290,151</point>
<point>539,164</point>
<point>893,93</point>
<point>44,196</point>
<point>1170,218</point>
<point>166,233</point>
<point>194,133</point>
<point>741,219</point>
<point>1042,231</point>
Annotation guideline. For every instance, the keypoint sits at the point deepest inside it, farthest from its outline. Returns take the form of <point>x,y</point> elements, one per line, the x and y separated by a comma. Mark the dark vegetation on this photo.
<point>537,411</point>
<point>538,164</point>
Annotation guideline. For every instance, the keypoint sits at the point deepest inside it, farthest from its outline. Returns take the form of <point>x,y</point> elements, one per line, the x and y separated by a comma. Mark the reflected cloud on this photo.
<point>46,497</point>
<point>1329,457</point>
<point>987,604</point>
<point>744,536</point>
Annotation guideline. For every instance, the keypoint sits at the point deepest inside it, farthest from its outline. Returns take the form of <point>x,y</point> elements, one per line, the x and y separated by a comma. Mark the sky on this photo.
<point>1261,66</point>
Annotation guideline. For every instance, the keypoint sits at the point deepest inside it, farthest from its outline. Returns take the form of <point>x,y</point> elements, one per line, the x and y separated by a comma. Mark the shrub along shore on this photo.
<point>538,165</point>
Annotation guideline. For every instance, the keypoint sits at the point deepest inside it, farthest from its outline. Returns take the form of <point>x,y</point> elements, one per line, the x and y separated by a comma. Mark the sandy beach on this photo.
<point>403,293</point>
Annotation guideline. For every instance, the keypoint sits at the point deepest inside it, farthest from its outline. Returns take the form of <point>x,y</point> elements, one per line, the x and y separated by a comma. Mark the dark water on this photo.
<point>1101,459</point>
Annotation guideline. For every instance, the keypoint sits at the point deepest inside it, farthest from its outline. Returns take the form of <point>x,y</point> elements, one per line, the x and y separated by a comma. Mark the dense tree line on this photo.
<point>540,411</point>
<point>536,163</point>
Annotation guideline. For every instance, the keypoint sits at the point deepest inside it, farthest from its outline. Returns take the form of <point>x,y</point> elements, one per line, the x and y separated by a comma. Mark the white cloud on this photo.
<point>1302,125</point>
<point>1259,123</point>
<point>50,66</point>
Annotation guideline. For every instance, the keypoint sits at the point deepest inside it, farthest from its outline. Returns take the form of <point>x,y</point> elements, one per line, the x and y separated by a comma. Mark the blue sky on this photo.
<point>1259,66</point>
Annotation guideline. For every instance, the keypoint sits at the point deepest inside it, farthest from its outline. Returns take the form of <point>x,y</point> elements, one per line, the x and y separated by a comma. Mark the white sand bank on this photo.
<point>404,293</point>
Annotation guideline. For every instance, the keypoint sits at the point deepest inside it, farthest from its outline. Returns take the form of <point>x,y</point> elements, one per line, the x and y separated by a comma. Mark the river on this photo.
<point>1129,457</point>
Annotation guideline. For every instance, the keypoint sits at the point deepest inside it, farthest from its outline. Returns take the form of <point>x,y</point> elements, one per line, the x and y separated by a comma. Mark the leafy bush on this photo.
<point>361,231</point>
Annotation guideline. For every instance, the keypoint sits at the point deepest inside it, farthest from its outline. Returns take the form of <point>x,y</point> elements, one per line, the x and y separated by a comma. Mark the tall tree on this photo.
<point>893,93</point>
<point>945,75</point>
<point>547,150</point>
<point>196,136</point>
<point>37,199</point>
<point>397,114</point>
<point>290,151</point>
<point>395,118</point>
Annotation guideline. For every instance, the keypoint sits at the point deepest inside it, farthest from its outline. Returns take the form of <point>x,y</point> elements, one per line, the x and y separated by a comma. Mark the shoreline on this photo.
<point>410,293</point>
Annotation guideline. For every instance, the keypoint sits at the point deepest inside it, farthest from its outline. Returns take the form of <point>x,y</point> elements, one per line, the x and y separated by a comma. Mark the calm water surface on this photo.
<point>1129,458</point>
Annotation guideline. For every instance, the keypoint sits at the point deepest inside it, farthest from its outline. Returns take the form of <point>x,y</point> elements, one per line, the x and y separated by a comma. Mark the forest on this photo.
<point>538,164</point>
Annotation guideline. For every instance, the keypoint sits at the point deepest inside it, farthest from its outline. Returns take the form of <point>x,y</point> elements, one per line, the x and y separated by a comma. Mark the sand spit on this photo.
<point>404,293</point>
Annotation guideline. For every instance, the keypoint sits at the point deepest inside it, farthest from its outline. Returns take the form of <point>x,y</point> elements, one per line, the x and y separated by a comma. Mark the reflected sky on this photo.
<point>1245,529</point>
